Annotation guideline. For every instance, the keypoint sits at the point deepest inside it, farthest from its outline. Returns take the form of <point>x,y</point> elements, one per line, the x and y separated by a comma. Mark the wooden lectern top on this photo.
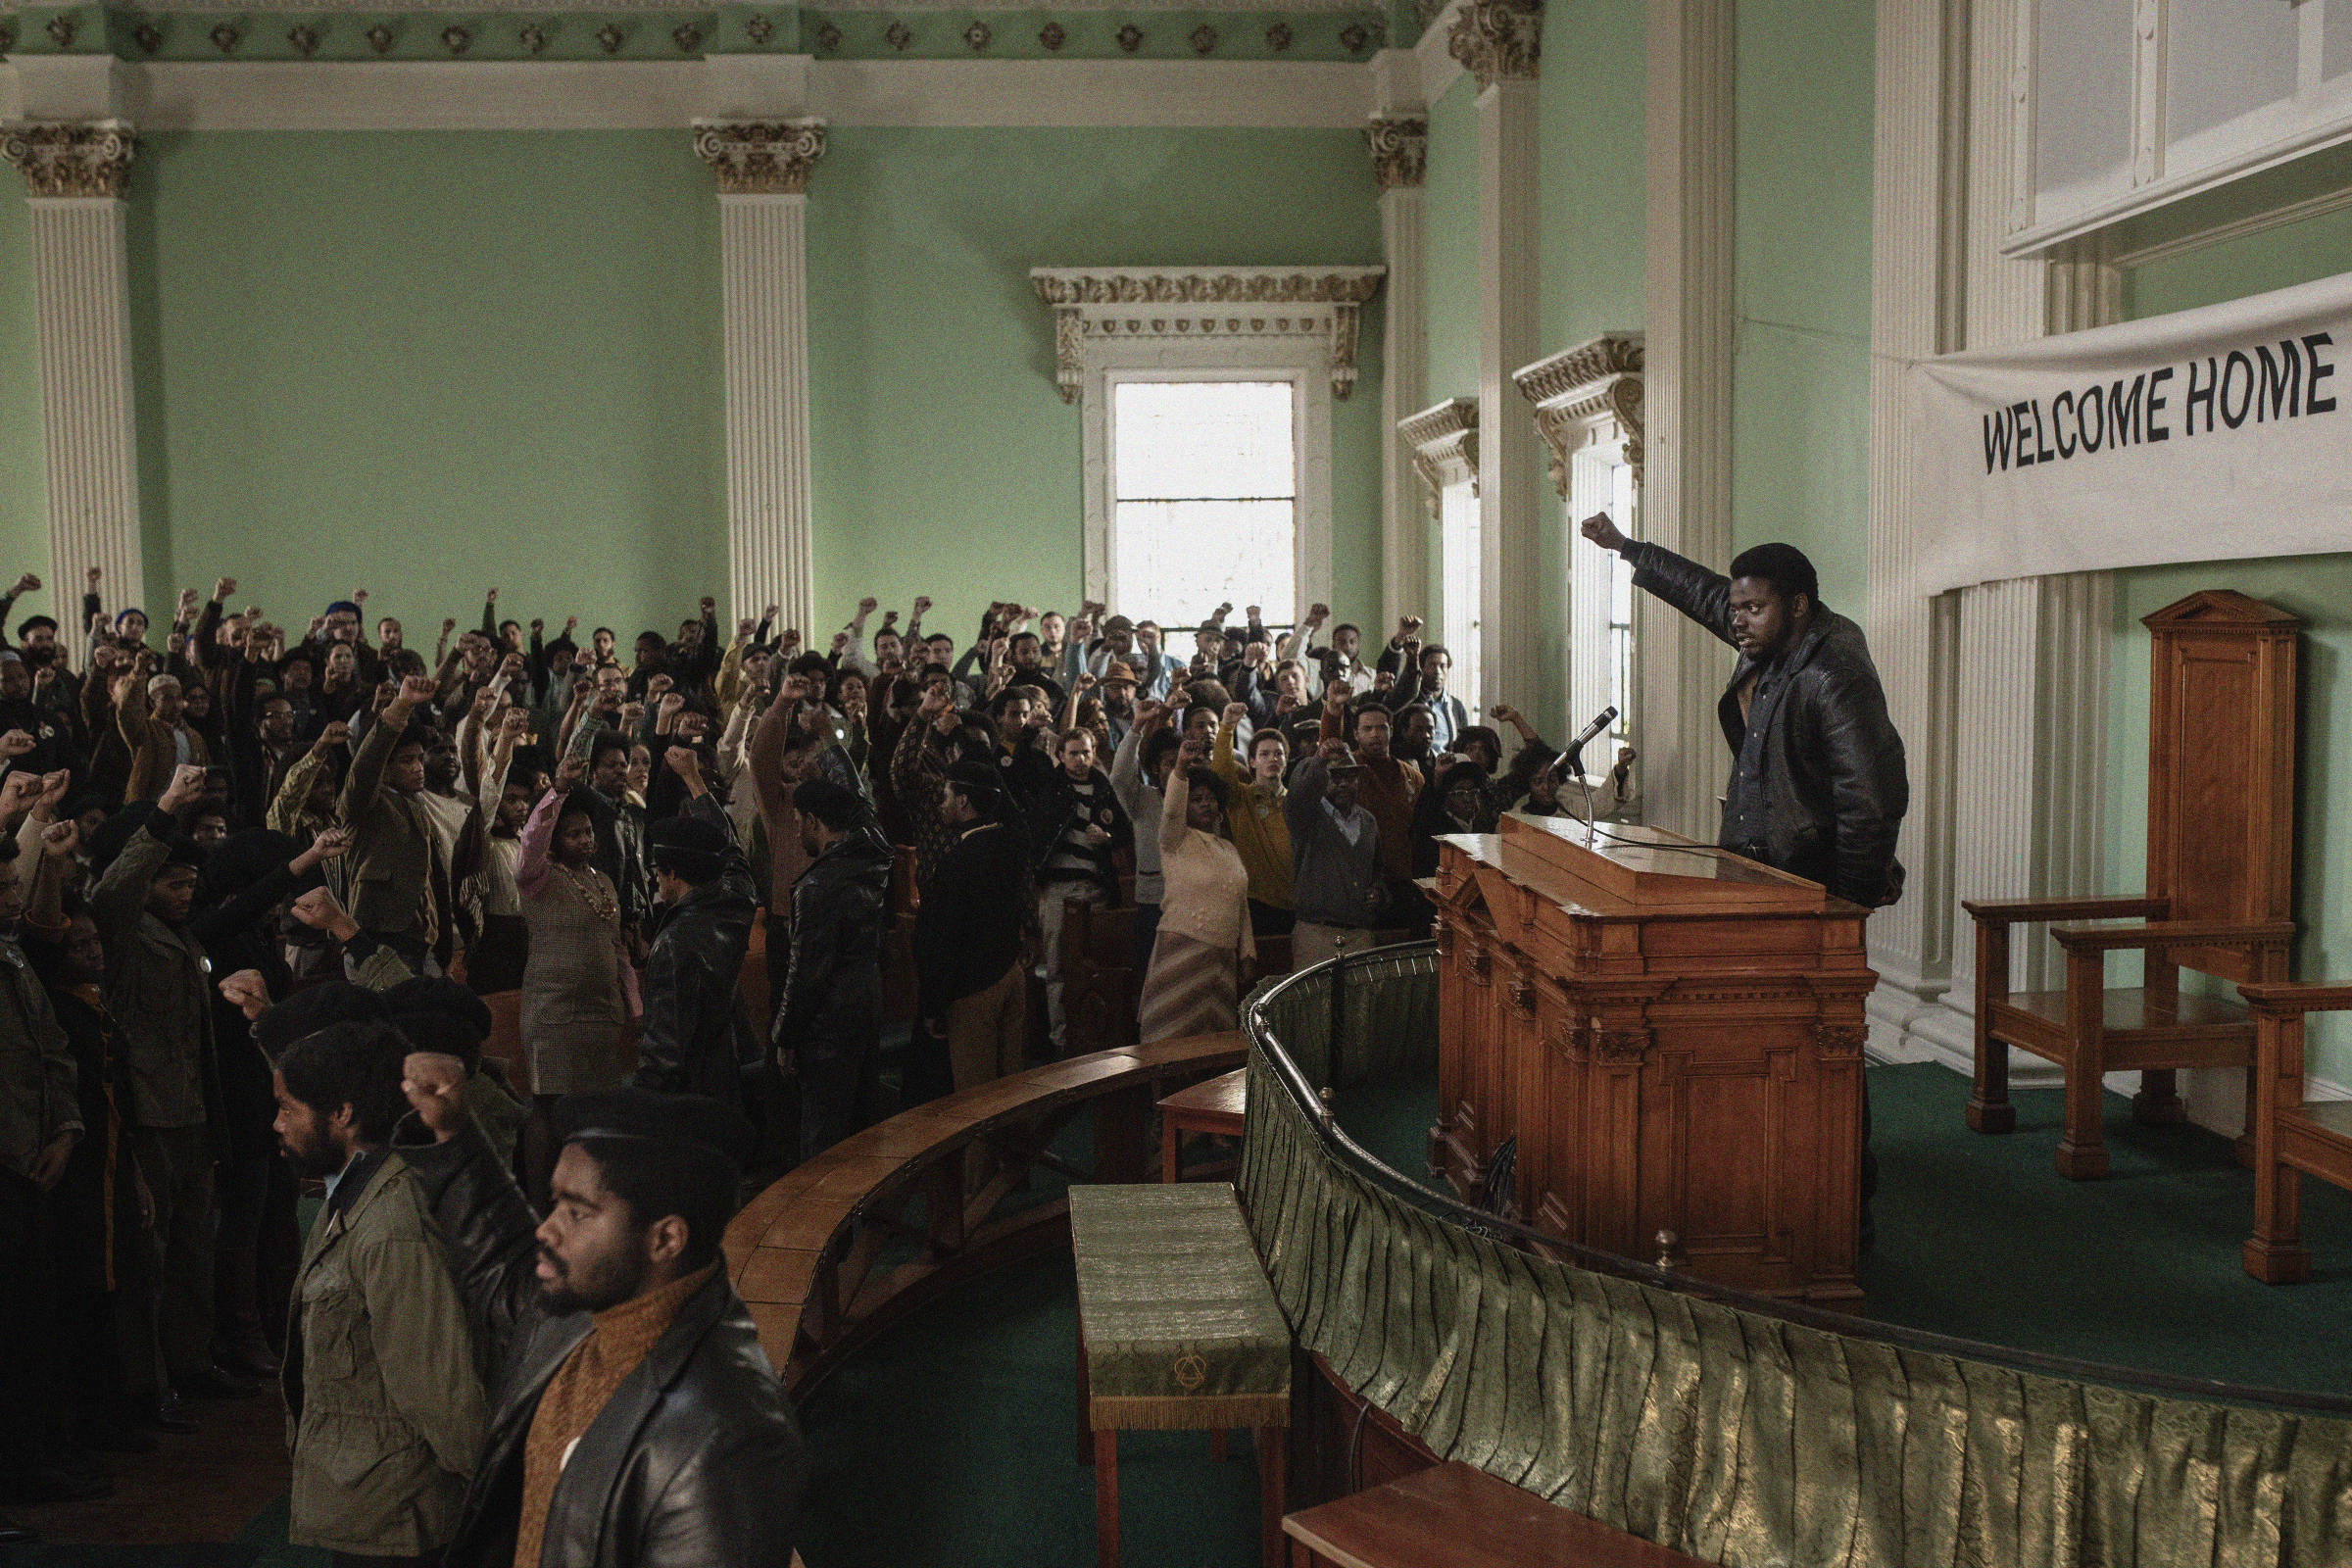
<point>1647,869</point>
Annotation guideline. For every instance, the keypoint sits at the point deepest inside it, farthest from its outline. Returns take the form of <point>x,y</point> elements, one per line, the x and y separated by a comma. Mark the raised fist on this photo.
<point>25,584</point>
<point>869,605</point>
<point>1603,531</point>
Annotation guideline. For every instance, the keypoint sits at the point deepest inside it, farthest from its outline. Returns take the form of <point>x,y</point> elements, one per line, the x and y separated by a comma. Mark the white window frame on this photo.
<point>1587,409</point>
<point>1310,469</point>
<point>1235,324</point>
<point>1443,442</point>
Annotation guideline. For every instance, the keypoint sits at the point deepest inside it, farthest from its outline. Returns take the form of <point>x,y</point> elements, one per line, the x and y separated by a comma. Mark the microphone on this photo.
<point>1572,759</point>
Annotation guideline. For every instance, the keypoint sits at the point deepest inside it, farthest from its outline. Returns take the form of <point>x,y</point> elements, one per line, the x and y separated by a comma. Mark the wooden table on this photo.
<point>1214,1108</point>
<point>1453,1517</point>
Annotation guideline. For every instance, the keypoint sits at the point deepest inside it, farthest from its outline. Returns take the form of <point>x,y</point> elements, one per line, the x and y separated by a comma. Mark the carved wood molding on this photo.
<point>1400,150</point>
<point>1621,1045</point>
<point>1841,1042</point>
<point>1203,304</point>
<point>84,160</point>
<point>1522,993</point>
<point>1443,442</point>
<point>1494,39</point>
<point>1601,379</point>
<point>760,158</point>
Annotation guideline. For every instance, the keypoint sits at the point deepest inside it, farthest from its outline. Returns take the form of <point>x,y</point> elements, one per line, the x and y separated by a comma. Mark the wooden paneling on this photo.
<point>1673,1052</point>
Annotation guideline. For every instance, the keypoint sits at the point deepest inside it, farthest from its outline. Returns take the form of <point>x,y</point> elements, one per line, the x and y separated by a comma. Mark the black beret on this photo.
<point>693,1120</point>
<point>976,780</point>
<point>695,835</point>
<point>443,996</point>
<point>312,1008</point>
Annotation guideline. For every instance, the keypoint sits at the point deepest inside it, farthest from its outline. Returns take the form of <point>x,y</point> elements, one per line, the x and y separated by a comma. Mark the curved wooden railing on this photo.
<point>842,1246</point>
<point>1726,1425</point>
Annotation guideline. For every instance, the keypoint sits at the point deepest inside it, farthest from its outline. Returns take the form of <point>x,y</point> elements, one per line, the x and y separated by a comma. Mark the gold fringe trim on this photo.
<point>1186,1412</point>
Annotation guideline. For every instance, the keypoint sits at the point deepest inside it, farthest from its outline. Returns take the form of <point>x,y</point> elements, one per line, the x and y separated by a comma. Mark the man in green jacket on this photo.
<point>388,1414</point>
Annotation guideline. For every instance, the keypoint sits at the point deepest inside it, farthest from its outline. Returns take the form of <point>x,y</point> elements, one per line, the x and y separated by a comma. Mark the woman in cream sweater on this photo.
<point>1194,985</point>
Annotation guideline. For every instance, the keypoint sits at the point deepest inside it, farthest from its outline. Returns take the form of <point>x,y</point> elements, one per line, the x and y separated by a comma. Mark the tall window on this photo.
<point>1458,549</point>
<point>1204,497</point>
<point>1620,624</point>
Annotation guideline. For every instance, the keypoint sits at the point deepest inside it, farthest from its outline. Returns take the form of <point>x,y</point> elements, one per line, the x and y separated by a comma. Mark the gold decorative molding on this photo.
<point>1203,302</point>
<point>1400,150</point>
<point>760,158</point>
<point>1443,442</point>
<point>1498,40</point>
<point>90,159</point>
<point>1572,389</point>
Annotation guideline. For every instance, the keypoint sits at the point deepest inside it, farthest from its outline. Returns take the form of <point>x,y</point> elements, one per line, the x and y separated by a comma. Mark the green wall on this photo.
<point>1450,246</point>
<point>1593,185</point>
<point>1800,385</point>
<point>2318,588</point>
<point>423,362</point>
<point>1592,234</point>
<point>932,362</point>
<point>23,531</point>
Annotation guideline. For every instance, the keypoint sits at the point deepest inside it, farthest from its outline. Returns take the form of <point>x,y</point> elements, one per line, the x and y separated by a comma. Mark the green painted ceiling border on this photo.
<point>620,34</point>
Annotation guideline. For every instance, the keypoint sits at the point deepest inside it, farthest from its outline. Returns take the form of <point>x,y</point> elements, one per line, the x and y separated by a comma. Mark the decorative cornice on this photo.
<point>913,7</point>
<point>1443,442</point>
<point>760,158</point>
<point>1183,301</point>
<point>1400,150</point>
<point>88,159</point>
<point>1597,379</point>
<point>1495,40</point>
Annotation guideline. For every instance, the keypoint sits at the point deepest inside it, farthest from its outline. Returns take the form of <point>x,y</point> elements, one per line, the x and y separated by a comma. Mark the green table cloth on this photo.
<point>1179,1326</point>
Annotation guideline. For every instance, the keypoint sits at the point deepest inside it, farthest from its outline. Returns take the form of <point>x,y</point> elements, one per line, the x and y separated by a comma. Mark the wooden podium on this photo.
<point>1674,1035</point>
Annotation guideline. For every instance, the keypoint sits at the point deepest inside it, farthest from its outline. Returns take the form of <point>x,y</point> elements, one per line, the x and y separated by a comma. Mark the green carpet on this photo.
<point>1980,1237</point>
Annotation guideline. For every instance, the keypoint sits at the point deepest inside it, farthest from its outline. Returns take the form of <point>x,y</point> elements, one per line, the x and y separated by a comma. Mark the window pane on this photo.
<point>1188,440</point>
<point>1179,560</point>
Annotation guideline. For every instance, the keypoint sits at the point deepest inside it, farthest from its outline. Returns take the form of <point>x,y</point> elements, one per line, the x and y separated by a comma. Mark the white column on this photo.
<point>1499,42</point>
<point>1688,476</point>
<point>1918,220</point>
<point>763,169</point>
<point>74,177</point>
<point>1399,139</point>
<point>2029,708</point>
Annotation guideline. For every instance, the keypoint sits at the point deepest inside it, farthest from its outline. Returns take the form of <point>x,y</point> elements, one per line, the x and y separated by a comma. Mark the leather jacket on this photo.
<point>840,906</point>
<point>1818,784</point>
<point>695,1460</point>
<point>1052,810</point>
<point>695,1040</point>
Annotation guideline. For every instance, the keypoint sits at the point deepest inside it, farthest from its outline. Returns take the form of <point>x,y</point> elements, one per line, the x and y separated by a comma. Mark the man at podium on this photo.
<point>1818,787</point>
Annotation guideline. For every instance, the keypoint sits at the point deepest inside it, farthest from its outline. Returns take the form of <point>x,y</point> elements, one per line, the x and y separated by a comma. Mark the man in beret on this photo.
<point>970,994</point>
<point>829,1023</point>
<point>639,1422</point>
<point>381,1376</point>
<point>694,1038</point>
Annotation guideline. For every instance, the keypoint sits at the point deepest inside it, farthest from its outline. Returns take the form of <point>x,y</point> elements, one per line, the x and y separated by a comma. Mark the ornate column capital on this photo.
<point>1574,390</point>
<point>82,159</point>
<point>1400,141</point>
<point>760,157</point>
<point>1498,40</point>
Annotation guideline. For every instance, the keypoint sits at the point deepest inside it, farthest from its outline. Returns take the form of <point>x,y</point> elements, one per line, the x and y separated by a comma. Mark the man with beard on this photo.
<point>388,1412</point>
<point>639,1423</point>
<point>829,1024</point>
<point>692,1033</point>
<point>19,712</point>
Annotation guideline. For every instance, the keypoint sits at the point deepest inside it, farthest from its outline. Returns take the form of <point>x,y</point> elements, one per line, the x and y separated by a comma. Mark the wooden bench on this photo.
<point>803,1254</point>
<point>1455,1516</point>
<point>1217,1108</point>
<point>2292,1138</point>
<point>1177,1330</point>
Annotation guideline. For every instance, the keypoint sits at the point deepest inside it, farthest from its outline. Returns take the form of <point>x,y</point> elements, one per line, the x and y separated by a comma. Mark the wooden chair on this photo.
<point>2292,1139</point>
<point>2221,874</point>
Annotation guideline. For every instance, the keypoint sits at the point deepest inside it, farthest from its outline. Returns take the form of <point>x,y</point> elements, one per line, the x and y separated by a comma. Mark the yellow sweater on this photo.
<point>1259,828</point>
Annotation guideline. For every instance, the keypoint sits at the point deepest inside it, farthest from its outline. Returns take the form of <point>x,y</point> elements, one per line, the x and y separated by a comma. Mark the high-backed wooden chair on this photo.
<point>2292,1139</point>
<point>2219,885</point>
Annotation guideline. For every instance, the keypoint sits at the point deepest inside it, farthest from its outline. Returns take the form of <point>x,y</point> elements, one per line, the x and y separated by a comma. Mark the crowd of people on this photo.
<point>256,887</point>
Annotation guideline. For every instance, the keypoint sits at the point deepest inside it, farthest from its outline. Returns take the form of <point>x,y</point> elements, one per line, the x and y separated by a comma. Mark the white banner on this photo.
<point>2214,434</point>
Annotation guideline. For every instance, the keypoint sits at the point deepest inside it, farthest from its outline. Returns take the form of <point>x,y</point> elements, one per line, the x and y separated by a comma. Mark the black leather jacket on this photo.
<point>1052,809</point>
<point>1818,783</point>
<point>695,1460</point>
<point>695,1040</point>
<point>840,908</point>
